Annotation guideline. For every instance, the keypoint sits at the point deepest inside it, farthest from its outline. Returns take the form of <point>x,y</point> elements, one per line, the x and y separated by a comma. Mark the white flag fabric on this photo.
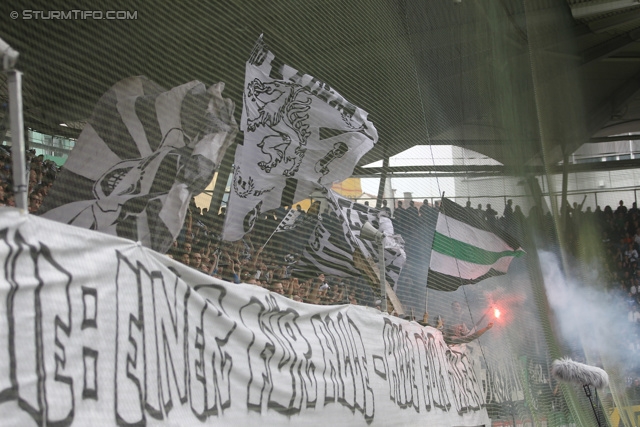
<point>299,135</point>
<point>336,238</point>
<point>140,159</point>
<point>97,330</point>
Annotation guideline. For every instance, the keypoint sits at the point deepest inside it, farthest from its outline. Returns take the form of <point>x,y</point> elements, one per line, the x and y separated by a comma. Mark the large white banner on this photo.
<point>97,330</point>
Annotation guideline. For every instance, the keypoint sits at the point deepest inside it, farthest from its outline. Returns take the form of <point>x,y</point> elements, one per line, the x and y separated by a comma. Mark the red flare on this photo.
<point>496,312</point>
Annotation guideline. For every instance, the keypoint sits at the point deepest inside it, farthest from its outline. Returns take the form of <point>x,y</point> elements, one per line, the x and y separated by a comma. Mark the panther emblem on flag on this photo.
<point>283,108</point>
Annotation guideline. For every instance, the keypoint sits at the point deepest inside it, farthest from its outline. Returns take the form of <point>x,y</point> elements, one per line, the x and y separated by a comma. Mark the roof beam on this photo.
<point>610,47</point>
<point>489,170</point>
<point>591,8</point>
<point>611,22</point>
<point>602,114</point>
<point>615,138</point>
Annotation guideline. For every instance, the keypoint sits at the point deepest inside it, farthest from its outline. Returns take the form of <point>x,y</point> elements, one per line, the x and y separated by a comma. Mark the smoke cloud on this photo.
<point>591,321</point>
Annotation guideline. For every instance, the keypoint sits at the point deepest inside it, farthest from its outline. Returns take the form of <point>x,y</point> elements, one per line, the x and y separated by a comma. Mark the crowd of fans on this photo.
<point>268,259</point>
<point>261,258</point>
<point>42,174</point>
<point>265,257</point>
<point>619,230</point>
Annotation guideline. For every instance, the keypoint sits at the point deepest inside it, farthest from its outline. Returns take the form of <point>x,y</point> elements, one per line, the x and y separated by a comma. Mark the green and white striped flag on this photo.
<point>467,249</point>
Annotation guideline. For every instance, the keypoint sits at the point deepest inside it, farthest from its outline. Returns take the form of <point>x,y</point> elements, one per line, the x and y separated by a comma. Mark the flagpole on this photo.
<point>275,230</point>
<point>265,243</point>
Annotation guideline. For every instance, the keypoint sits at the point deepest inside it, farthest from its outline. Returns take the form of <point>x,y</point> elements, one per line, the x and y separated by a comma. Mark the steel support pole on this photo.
<point>18,154</point>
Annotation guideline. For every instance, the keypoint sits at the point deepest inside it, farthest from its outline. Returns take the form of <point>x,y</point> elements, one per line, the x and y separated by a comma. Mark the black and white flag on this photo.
<point>140,159</point>
<point>289,222</point>
<point>335,243</point>
<point>299,135</point>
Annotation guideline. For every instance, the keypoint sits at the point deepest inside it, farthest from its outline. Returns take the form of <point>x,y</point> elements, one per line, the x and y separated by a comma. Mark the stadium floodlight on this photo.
<point>369,232</point>
<point>14,84</point>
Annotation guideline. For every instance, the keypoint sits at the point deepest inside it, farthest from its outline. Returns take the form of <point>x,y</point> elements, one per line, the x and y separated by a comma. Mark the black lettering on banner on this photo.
<point>129,375</point>
<point>259,382</point>
<point>295,373</point>
<point>26,339</point>
<point>150,349</point>
<point>399,365</point>
<point>90,361</point>
<point>55,307</point>
<point>331,358</point>
<point>259,57</point>
<point>89,355</point>
<point>198,364</point>
<point>176,343</point>
<point>150,358</point>
<point>284,359</point>
<point>346,383</point>
<point>170,310</point>
<point>432,368</point>
<point>463,382</point>
<point>364,400</point>
<point>90,308</point>
<point>210,362</point>
<point>8,382</point>
<point>37,344</point>
<point>345,374</point>
<point>416,368</point>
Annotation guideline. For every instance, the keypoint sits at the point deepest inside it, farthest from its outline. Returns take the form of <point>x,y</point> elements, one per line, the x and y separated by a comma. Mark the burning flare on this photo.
<point>496,312</point>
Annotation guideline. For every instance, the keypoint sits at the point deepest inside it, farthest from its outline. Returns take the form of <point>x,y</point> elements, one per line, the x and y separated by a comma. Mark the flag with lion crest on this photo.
<point>299,135</point>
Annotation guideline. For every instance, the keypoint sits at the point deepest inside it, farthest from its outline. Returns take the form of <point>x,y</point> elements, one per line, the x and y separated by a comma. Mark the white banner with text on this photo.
<point>98,330</point>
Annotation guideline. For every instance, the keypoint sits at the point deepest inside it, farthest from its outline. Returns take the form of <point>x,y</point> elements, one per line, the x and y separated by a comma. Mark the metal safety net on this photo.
<point>424,159</point>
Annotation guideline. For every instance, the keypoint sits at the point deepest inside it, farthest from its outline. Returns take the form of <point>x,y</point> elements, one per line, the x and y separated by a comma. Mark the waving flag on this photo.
<point>140,159</point>
<point>467,249</point>
<point>335,246</point>
<point>289,222</point>
<point>299,135</point>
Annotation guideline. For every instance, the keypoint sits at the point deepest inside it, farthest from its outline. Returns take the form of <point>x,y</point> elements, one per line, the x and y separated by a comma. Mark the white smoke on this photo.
<point>592,322</point>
